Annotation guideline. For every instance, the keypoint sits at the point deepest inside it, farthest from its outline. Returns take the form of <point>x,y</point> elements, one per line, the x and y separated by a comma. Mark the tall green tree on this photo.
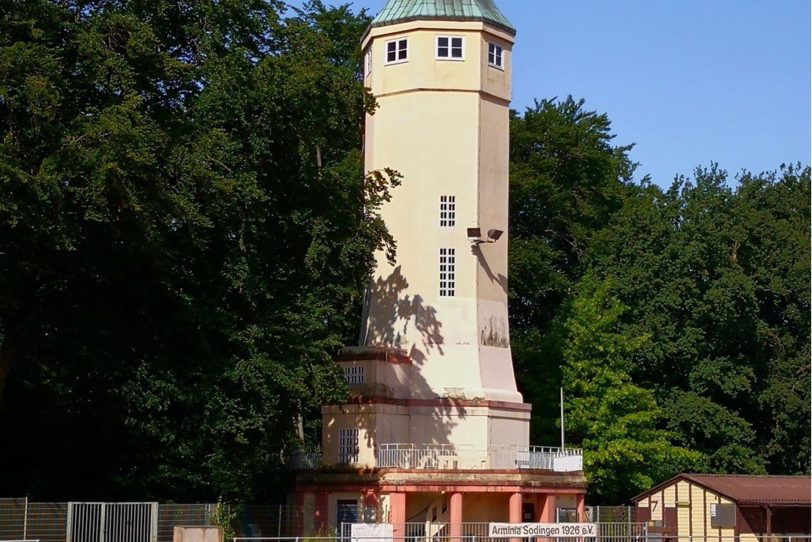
<point>617,422</point>
<point>185,233</point>
<point>567,179</point>
<point>718,279</point>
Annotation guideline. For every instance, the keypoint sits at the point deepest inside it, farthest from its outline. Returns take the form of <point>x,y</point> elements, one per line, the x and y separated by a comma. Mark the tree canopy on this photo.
<point>715,278</point>
<point>186,230</point>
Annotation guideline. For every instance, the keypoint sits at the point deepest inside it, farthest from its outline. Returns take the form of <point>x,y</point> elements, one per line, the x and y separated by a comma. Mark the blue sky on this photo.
<point>687,81</point>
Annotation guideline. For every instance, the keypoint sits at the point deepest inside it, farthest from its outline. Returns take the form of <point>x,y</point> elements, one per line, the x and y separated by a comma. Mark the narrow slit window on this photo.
<point>496,56</point>
<point>368,63</point>
<point>450,47</point>
<point>397,51</point>
<point>448,272</point>
<point>448,211</point>
<point>348,448</point>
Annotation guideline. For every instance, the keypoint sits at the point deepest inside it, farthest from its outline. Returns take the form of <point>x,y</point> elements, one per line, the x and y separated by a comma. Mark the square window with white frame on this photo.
<point>348,447</point>
<point>450,48</point>
<point>496,56</point>
<point>448,211</point>
<point>448,272</point>
<point>397,51</point>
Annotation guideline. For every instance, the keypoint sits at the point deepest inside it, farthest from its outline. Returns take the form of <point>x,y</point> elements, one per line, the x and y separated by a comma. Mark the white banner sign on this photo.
<point>372,532</point>
<point>545,530</point>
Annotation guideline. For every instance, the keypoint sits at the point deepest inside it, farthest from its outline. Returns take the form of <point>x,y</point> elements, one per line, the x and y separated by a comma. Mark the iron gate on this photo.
<point>112,522</point>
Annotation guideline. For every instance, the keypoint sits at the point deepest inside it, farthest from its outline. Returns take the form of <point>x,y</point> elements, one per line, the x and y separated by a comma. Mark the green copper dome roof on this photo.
<point>399,11</point>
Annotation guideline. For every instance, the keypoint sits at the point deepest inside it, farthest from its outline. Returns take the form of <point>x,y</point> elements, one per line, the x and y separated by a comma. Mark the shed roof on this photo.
<point>400,11</point>
<point>746,489</point>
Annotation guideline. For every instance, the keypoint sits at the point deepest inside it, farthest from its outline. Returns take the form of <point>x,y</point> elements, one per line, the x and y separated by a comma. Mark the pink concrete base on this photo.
<point>541,488</point>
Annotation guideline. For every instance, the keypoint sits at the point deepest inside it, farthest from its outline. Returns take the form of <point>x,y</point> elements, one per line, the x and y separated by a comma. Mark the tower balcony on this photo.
<point>449,457</point>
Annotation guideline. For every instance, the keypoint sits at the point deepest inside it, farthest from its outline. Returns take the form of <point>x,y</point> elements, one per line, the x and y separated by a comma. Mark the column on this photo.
<point>397,515</point>
<point>580,515</point>
<point>515,507</point>
<point>308,507</point>
<point>515,511</point>
<point>321,510</point>
<point>547,508</point>
<point>455,517</point>
<point>579,507</point>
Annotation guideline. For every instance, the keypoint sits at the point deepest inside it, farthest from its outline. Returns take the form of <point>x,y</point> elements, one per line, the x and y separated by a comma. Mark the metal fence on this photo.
<point>46,521</point>
<point>473,531</point>
<point>445,537</point>
<point>21,519</point>
<point>112,522</point>
<point>170,515</point>
<point>12,519</point>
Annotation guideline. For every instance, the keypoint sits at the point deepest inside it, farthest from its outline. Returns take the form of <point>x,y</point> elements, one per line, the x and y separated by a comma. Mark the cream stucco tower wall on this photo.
<point>443,123</point>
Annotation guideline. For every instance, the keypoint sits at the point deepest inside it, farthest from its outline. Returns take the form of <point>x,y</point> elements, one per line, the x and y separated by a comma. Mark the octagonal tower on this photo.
<point>432,382</point>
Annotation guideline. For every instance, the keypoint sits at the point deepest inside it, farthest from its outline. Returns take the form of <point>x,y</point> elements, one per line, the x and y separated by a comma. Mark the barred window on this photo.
<point>448,211</point>
<point>348,449</point>
<point>447,272</point>
<point>354,375</point>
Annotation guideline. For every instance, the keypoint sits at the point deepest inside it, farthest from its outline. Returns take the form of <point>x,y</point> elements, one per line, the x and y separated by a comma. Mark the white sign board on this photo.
<point>371,532</point>
<point>544,530</point>
<point>569,463</point>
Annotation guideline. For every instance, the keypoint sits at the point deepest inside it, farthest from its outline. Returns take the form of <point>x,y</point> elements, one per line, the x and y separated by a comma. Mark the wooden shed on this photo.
<point>720,508</point>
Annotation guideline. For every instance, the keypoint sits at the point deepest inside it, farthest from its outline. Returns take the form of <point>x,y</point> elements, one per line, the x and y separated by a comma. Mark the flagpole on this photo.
<point>561,403</point>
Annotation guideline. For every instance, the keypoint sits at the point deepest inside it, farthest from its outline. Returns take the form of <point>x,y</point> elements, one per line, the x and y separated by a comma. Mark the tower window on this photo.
<point>450,47</point>
<point>447,272</point>
<point>496,56</point>
<point>348,448</point>
<point>354,375</point>
<point>368,63</point>
<point>397,51</point>
<point>448,211</point>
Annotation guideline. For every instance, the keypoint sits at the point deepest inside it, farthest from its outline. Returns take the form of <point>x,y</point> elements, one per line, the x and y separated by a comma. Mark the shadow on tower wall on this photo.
<point>394,320</point>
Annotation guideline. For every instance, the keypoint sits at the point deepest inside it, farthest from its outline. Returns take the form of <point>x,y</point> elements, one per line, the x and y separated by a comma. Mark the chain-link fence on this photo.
<point>170,515</point>
<point>12,519</point>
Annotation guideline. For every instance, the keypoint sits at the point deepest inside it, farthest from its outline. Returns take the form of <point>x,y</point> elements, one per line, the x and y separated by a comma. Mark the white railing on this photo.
<point>460,457</point>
